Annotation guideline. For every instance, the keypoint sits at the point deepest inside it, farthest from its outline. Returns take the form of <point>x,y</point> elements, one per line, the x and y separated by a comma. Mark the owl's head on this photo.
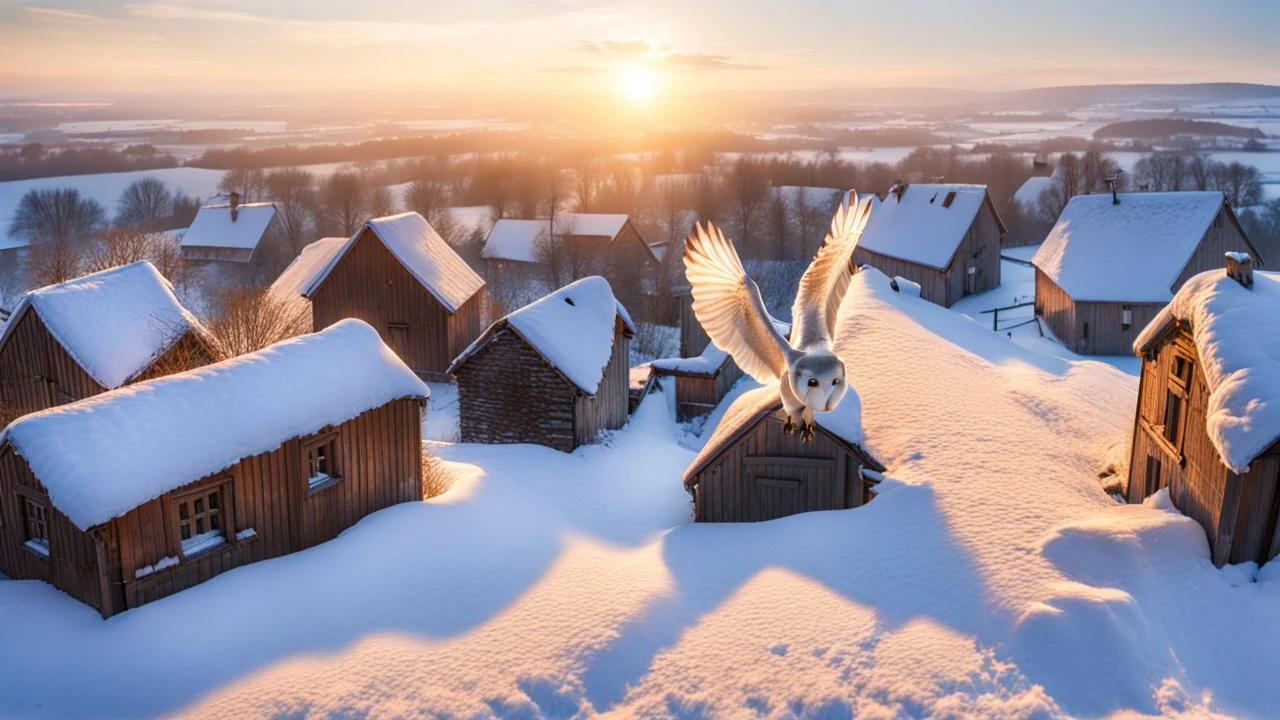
<point>818,380</point>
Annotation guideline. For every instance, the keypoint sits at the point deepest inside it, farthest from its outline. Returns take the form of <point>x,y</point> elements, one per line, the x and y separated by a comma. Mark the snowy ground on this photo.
<point>1018,285</point>
<point>992,577</point>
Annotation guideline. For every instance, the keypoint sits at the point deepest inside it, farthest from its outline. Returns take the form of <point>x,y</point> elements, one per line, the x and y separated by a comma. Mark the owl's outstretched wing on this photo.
<point>728,305</point>
<point>823,286</point>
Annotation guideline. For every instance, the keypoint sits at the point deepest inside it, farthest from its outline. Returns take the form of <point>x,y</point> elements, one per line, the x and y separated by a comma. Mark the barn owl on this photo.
<point>811,378</point>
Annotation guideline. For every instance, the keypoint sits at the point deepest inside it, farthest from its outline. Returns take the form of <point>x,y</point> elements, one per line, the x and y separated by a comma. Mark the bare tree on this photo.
<point>54,261</point>
<point>748,193</point>
<point>344,200</point>
<point>380,203</point>
<point>1198,171</point>
<point>777,210</point>
<point>1242,184</point>
<point>426,197</point>
<point>245,320</point>
<point>251,183</point>
<point>587,181</point>
<point>121,246</point>
<point>292,191</point>
<point>145,204</point>
<point>185,208</point>
<point>57,215</point>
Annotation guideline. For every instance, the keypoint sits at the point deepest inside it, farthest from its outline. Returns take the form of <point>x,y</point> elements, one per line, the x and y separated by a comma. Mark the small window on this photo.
<point>1180,371</point>
<point>322,462</point>
<point>35,518</point>
<point>201,516</point>
<point>398,338</point>
<point>1152,480</point>
<point>1126,317</point>
<point>1172,416</point>
<point>1086,331</point>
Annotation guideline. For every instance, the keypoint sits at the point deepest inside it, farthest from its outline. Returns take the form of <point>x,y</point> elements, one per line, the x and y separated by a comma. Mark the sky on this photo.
<point>564,48</point>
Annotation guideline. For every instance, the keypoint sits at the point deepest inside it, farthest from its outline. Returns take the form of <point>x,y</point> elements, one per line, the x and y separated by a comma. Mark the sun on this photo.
<point>638,82</point>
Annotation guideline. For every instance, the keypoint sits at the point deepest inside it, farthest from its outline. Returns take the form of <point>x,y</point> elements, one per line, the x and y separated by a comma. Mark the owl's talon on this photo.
<point>790,427</point>
<point>806,432</point>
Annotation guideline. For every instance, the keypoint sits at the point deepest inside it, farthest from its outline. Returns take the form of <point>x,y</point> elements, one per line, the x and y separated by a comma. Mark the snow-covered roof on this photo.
<point>214,228</point>
<point>844,423</point>
<point>114,323</point>
<point>423,253</point>
<point>1235,332</point>
<point>709,362</point>
<point>304,269</point>
<point>517,239</point>
<point>925,225</point>
<point>1028,195</point>
<point>101,457</point>
<point>1130,252</point>
<point>572,328</point>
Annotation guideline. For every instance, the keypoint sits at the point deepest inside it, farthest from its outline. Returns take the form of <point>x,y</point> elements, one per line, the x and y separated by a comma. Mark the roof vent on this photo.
<point>235,205</point>
<point>951,197</point>
<point>1240,268</point>
<point>571,302</point>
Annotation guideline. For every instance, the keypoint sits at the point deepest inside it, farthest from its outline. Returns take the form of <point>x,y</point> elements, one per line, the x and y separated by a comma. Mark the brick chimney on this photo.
<point>1240,268</point>
<point>235,205</point>
<point>898,189</point>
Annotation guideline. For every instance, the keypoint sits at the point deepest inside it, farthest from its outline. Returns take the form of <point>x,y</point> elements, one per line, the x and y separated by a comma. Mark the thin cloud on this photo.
<point>59,13</point>
<point>706,61</point>
<point>624,49</point>
<point>627,50</point>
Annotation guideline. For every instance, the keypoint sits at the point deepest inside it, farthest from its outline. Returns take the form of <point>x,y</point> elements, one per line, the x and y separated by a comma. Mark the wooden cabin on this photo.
<point>581,244</point>
<point>752,470</point>
<point>128,497</point>
<point>397,274</point>
<point>76,339</point>
<point>1112,262</point>
<point>238,242</point>
<point>553,373</point>
<point>944,238</point>
<point>701,381</point>
<point>1207,425</point>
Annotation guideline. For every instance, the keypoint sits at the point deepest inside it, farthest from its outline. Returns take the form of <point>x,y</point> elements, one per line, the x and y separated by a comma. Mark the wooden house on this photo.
<point>1208,424</point>
<point>1111,262</point>
<point>76,339</point>
<point>244,242</point>
<point>752,470</point>
<point>554,372</point>
<point>701,381</point>
<point>944,238</point>
<point>128,496</point>
<point>580,243</point>
<point>397,274</point>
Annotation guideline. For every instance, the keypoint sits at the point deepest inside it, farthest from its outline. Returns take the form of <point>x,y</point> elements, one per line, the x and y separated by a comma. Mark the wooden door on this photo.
<point>792,485</point>
<point>398,339</point>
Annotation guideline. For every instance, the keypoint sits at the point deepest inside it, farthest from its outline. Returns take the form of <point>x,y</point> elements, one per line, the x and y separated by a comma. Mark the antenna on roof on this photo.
<point>1111,181</point>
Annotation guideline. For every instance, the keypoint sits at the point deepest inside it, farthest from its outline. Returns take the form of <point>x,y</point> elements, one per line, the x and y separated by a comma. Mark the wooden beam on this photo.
<point>824,463</point>
<point>1227,521</point>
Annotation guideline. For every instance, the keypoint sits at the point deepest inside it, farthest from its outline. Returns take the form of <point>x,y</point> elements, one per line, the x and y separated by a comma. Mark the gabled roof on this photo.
<point>303,271</point>
<point>113,323</point>
<point>214,228</point>
<point>927,224</point>
<point>422,252</point>
<point>1236,337</point>
<point>572,329</point>
<point>101,457</point>
<point>518,239</point>
<point>844,424</point>
<point>1028,195</point>
<point>1135,251</point>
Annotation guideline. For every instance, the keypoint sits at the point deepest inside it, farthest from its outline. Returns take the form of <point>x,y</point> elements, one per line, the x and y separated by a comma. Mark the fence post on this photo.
<point>995,320</point>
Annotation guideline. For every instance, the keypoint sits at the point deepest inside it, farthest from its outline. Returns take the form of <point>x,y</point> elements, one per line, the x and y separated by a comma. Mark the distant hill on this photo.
<point>1169,127</point>
<point>1077,96</point>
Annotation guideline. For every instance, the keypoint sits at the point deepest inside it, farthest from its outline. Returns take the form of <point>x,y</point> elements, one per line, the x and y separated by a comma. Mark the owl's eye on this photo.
<point>813,382</point>
<point>835,381</point>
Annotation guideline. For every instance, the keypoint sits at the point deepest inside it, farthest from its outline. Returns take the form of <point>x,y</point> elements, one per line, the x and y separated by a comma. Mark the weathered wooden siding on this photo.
<point>979,250</point>
<point>693,339</point>
<point>379,457</point>
<point>36,372</point>
<point>607,409</point>
<point>767,474</point>
<point>1223,236</point>
<point>698,395</point>
<point>932,282</point>
<point>1238,512</point>
<point>507,393</point>
<point>73,562</point>
<point>369,283</point>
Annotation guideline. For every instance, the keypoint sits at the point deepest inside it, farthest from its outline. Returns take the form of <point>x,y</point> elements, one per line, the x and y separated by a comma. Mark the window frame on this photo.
<point>324,439</point>
<point>1126,317</point>
<point>222,487</point>
<point>1154,475</point>
<point>26,501</point>
<point>1177,399</point>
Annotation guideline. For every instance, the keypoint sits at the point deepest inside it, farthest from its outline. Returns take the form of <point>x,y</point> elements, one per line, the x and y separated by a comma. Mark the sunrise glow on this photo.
<point>638,82</point>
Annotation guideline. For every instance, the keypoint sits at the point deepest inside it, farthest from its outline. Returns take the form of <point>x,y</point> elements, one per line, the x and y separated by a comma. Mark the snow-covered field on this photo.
<point>992,577</point>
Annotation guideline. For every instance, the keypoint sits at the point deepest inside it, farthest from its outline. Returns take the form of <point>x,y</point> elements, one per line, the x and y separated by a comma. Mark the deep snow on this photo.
<point>991,577</point>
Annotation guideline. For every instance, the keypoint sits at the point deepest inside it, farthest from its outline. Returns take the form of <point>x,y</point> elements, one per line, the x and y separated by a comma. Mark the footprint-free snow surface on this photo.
<point>991,577</point>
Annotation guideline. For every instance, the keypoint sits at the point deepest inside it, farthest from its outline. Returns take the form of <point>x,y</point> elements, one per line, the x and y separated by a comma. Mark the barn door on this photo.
<point>777,497</point>
<point>398,339</point>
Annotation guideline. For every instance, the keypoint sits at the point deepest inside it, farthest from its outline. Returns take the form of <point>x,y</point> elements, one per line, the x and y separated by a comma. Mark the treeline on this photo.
<point>1157,128</point>
<point>1173,170</point>
<point>34,160</point>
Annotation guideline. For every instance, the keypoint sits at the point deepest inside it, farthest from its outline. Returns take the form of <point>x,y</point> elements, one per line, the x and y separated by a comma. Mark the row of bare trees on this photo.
<point>1174,170</point>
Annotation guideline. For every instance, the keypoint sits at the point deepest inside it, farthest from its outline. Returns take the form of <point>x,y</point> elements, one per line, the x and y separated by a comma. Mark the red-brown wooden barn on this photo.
<point>397,274</point>
<point>144,491</point>
<point>76,339</point>
<point>554,372</point>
